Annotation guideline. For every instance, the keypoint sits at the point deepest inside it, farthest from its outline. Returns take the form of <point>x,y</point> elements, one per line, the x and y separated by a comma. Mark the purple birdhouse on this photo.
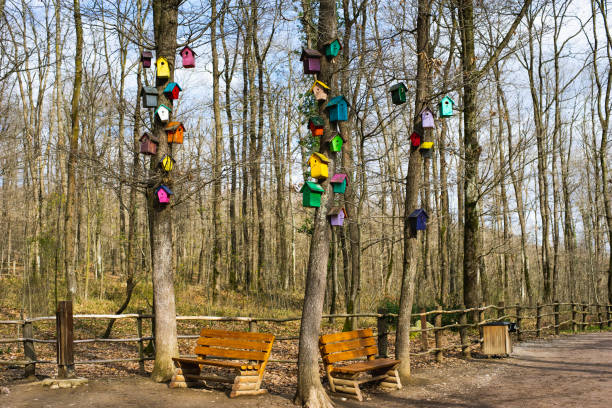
<point>163,194</point>
<point>145,57</point>
<point>312,61</point>
<point>188,57</point>
<point>148,144</point>
<point>427,119</point>
<point>336,216</point>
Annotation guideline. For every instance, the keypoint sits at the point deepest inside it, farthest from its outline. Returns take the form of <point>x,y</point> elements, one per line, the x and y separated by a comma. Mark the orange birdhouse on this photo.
<point>175,132</point>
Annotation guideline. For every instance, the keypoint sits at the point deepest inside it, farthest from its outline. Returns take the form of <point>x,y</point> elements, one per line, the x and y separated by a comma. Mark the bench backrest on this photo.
<point>234,345</point>
<point>347,346</point>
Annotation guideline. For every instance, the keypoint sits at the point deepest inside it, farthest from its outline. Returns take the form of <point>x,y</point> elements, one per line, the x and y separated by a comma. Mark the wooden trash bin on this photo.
<point>496,339</point>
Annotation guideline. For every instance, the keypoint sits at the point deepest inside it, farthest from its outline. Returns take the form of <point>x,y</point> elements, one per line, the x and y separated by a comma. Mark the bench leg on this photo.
<point>247,383</point>
<point>191,371</point>
<point>392,381</point>
<point>345,387</point>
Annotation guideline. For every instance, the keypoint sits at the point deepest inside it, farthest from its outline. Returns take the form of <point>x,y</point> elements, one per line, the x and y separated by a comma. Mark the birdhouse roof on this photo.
<point>316,121</point>
<point>146,54</point>
<point>146,135</point>
<point>160,59</point>
<point>330,42</point>
<point>426,109</point>
<point>321,85</point>
<point>338,136</point>
<point>398,86</point>
<point>415,134</point>
<point>312,186</point>
<point>418,213</point>
<point>173,126</point>
<point>337,211</point>
<point>321,157</point>
<point>335,101</point>
<point>164,107</point>
<point>426,145</point>
<point>310,53</point>
<point>170,87</point>
<point>167,156</point>
<point>166,189</point>
<point>339,178</point>
<point>188,48</point>
<point>149,90</point>
<point>447,98</point>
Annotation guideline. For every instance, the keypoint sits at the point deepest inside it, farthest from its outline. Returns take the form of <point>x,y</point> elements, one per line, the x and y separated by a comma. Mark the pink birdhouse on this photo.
<point>336,216</point>
<point>188,57</point>
<point>427,119</point>
<point>163,194</point>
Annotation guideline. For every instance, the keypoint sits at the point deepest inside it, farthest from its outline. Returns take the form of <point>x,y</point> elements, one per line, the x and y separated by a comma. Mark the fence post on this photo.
<point>608,309</point>
<point>519,332</point>
<point>600,319</point>
<point>481,318</point>
<point>438,334</point>
<point>585,313</point>
<point>28,349</point>
<point>424,342</point>
<point>253,326</point>
<point>65,336</point>
<point>382,327</point>
<point>465,350</point>
<point>538,319</point>
<point>557,318</point>
<point>501,311</point>
<point>574,325</point>
<point>140,341</point>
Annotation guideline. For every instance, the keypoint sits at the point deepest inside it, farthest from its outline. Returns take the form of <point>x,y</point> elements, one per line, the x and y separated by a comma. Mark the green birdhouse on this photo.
<point>398,93</point>
<point>332,48</point>
<point>335,145</point>
<point>446,107</point>
<point>339,182</point>
<point>311,194</point>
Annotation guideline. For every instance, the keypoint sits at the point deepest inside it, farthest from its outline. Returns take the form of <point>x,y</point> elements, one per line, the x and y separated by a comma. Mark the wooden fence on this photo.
<point>531,321</point>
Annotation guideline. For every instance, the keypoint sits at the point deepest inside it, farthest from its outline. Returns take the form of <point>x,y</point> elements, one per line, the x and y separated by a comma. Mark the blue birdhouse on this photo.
<point>417,221</point>
<point>338,109</point>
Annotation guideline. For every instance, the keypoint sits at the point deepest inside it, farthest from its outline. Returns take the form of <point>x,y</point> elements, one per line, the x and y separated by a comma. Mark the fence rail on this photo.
<point>547,318</point>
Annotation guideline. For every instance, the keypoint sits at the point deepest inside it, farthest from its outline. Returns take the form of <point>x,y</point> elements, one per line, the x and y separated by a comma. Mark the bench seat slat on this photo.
<point>267,337</point>
<point>343,336</point>
<point>234,344</point>
<point>363,366</point>
<point>351,355</point>
<point>229,353</point>
<point>217,363</point>
<point>349,345</point>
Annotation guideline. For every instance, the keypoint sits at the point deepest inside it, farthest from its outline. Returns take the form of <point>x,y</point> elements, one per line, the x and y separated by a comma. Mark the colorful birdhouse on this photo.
<point>148,144</point>
<point>149,97</point>
<point>311,194</point>
<point>167,163</point>
<point>320,90</point>
<point>398,93</point>
<point>332,48</point>
<point>335,145</point>
<point>145,58</point>
<point>311,60</point>
<point>415,139</point>
<point>188,57</point>
<point>315,124</point>
<point>163,194</point>
<point>172,90</point>
<point>338,109</point>
<point>336,216</point>
<point>163,112</point>
<point>318,166</point>
<point>426,149</point>
<point>339,181</point>
<point>417,221</point>
<point>175,132</point>
<point>427,118</point>
<point>163,69</point>
<point>446,107</point>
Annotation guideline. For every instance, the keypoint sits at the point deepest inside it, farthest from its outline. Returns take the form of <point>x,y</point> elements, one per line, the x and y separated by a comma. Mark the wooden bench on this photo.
<point>345,379</point>
<point>243,352</point>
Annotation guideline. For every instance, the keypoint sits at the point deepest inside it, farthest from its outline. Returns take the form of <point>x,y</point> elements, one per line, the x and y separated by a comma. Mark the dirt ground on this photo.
<point>571,371</point>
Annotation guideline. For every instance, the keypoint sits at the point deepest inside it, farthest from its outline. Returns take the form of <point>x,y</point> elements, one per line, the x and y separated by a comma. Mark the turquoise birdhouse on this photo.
<point>339,182</point>
<point>332,48</point>
<point>338,109</point>
<point>446,107</point>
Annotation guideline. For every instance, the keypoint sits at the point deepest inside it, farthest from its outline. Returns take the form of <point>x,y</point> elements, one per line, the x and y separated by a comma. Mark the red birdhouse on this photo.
<point>188,57</point>
<point>415,139</point>
<point>172,90</point>
<point>315,124</point>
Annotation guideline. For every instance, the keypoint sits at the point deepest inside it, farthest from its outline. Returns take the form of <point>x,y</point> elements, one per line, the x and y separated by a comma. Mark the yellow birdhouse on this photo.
<point>167,163</point>
<point>318,166</point>
<point>163,69</point>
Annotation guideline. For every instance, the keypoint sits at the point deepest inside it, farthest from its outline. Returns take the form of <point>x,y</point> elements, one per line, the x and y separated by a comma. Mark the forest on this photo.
<point>516,186</point>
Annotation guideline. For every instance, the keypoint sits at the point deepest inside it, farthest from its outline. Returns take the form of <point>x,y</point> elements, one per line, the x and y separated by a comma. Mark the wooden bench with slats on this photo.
<point>344,379</point>
<point>244,352</point>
